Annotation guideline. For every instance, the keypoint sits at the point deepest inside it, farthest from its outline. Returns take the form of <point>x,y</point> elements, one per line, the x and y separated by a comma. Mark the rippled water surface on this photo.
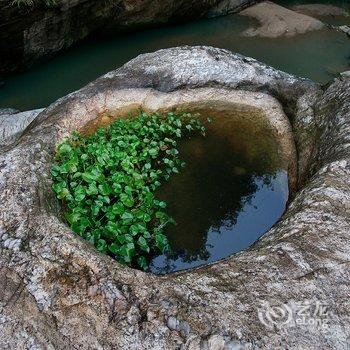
<point>317,55</point>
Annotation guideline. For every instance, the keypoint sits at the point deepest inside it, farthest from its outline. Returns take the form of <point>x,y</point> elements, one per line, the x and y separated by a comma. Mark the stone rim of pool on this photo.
<point>66,284</point>
<point>258,110</point>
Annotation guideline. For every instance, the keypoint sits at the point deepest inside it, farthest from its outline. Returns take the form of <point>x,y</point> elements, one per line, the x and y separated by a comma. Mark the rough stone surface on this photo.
<point>225,7</point>
<point>29,34</point>
<point>13,123</point>
<point>58,292</point>
<point>345,29</point>
<point>8,111</point>
<point>276,21</point>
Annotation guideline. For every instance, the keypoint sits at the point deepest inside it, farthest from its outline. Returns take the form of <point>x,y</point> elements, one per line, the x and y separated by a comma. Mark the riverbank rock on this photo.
<point>13,122</point>
<point>8,111</point>
<point>32,33</point>
<point>319,10</point>
<point>276,21</point>
<point>344,29</point>
<point>225,7</point>
<point>289,290</point>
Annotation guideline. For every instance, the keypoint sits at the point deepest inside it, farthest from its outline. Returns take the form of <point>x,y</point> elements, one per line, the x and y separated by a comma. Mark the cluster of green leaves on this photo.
<point>107,182</point>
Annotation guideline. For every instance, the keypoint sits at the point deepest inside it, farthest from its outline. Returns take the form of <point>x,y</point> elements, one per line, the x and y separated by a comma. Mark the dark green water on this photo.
<point>317,55</point>
<point>231,192</point>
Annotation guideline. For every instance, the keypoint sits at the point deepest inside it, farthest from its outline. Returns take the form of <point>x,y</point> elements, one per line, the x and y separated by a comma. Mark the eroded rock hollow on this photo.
<point>58,292</point>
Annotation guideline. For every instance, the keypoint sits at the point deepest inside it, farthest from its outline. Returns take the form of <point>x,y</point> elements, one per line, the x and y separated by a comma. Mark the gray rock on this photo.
<point>13,123</point>
<point>345,74</point>
<point>8,111</point>
<point>233,345</point>
<point>173,323</point>
<point>58,292</point>
<point>276,21</point>
<point>345,29</point>
<point>184,328</point>
<point>225,7</point>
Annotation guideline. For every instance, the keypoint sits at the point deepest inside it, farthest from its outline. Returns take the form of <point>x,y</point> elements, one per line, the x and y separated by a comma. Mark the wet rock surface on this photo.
<point>58,292</point>
<point>276,21</point>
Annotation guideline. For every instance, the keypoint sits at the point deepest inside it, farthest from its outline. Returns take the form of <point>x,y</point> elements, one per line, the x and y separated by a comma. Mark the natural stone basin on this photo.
<point>235,184</point>
<point>57,291</point>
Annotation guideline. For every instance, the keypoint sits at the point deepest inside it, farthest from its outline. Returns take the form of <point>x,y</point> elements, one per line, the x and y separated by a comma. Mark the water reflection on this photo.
<point>224,200</point>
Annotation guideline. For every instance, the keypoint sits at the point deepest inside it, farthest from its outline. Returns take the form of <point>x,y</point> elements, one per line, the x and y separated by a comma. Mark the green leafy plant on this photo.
<point>107,182</point>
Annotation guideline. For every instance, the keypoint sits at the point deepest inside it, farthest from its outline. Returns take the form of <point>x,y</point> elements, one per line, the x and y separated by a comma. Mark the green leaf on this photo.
<point>146,217</point>
<point>101,245</point>
<point>92,189</point>
<point>72,217</point>
<point>104,189</point>
<point>153,152</point>
<point>127,251</point>
<point>95,209</point>
<point>79,193</point>
<point>118,208</point>
<point>127,200</point>
<point>127,216</point>
<point>134,229</point>
<point>112,227</point>
<point>142,262</point>
<point>162,242</point>
<point>64,149</point>
<point>143,244</point>
<point>63,193</point>
<point>88,177</point>
<point>107,181</point>
<point>55,170</point>
<point>114,248</point>
<point>126,238</point>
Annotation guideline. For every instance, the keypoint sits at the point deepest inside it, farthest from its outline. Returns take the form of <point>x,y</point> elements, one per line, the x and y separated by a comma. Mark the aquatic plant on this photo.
<point>107,182</point>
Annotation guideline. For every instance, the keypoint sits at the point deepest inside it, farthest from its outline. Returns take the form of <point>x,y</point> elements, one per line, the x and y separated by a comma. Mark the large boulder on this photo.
<point>58,292</point>
<point>276,21</point>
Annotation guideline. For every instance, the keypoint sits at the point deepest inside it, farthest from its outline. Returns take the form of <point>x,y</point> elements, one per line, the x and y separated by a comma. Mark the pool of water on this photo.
<point>231,192</point>
<point>317,55</point>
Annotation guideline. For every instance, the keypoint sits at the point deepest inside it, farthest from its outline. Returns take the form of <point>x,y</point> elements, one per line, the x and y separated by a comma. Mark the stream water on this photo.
<point>317,55</point>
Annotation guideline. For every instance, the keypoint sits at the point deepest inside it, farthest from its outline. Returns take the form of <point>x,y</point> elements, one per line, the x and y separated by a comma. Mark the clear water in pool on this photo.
<point>231,192</point>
